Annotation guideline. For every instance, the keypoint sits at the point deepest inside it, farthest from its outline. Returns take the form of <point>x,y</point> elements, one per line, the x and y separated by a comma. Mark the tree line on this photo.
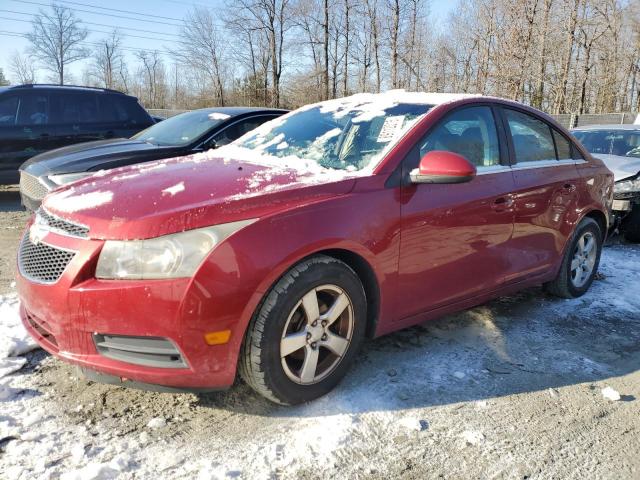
<point>562,56</point>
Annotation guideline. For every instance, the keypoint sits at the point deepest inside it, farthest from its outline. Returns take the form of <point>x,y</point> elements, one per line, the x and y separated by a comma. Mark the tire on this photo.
<point>285,320</point>
<point>631,225</point>
<point>569,284</point>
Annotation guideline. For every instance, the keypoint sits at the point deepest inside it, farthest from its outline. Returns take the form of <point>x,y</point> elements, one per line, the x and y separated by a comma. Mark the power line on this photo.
<point>119,11</point>
<point>97,24</point>
<point>94,31</point>
<point>91,44</point>
<point>101,13</point>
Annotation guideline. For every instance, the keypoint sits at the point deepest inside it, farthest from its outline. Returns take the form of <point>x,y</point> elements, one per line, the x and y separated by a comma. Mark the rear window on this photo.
<point>121,109</point>
<point>77,107</point>
<point>8,110</point>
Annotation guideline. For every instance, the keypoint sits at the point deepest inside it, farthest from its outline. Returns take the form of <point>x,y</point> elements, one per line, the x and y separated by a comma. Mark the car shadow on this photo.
<point>10,199</point>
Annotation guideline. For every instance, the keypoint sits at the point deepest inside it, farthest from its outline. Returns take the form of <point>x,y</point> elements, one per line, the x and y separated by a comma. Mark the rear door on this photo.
<point>546,183</point>
<point>453,236</point>
<point>25,129</point>
<point>76,117</point>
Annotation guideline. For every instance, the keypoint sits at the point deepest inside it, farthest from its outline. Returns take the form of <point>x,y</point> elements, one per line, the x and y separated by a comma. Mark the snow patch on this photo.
<point>610,394</point>
<point>218,116</point>
<point>66,201</point>
<point>14,339</point>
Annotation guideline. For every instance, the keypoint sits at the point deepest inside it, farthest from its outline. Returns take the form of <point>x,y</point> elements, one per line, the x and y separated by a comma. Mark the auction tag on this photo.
<point>390,128</point>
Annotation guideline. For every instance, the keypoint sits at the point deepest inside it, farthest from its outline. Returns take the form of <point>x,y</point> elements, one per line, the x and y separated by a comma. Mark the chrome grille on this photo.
<point>31,187</point>
<point>40,262</point>
<point>61,226</point>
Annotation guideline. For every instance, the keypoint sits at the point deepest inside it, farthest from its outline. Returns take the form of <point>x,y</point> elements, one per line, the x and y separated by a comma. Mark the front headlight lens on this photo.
<point>627,186</point>
<point>69,177</point>
<point>171,256</point>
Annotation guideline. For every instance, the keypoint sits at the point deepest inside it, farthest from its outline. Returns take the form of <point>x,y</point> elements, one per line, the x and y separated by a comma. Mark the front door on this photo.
<point>453,236</point>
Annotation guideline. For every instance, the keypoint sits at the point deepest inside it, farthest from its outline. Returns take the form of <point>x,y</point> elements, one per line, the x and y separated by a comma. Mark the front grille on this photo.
<point>42,263</point>
<point>148,351</point>
<point>32,187</point>
<point>43,329</point>
<point>61,226</point>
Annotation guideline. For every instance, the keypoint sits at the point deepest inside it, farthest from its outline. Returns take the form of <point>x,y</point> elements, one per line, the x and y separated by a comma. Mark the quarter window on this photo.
<point>532,140</point>
<point>470,132</point>
<point>563,147</point>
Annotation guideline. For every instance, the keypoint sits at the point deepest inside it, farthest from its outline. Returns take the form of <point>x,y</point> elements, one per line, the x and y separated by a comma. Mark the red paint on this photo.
<point>449,164</point>
<point>432,249</point>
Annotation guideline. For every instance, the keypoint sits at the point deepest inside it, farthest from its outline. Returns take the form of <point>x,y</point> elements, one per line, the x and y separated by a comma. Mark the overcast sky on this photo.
<point>159,18</point>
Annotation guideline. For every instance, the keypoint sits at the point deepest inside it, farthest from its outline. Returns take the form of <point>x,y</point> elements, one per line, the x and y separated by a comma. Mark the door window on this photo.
<point>470,132</point>
<point>238,129</point>
<point>8,110</point>
<point>532,140</point>
<point>34,109</point>
<point>78,108</point>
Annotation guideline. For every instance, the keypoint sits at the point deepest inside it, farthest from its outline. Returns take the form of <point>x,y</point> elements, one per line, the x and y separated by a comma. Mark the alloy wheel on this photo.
<point>317,334</point>
<point>584,259</point>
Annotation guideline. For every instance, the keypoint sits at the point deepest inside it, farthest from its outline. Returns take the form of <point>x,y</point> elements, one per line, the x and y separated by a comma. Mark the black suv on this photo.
<point>36,118</point>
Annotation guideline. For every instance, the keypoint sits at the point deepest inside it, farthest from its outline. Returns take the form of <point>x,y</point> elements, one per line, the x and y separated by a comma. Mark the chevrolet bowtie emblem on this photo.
<point>37,233</point>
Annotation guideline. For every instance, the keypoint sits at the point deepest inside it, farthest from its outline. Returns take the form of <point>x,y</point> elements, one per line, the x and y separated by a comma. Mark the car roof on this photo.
<point>624,126</point>
<point>235,111</point>
<point>47,86</point>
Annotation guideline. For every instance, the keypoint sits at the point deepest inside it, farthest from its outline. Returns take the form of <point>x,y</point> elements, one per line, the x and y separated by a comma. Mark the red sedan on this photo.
<point>277,255</point>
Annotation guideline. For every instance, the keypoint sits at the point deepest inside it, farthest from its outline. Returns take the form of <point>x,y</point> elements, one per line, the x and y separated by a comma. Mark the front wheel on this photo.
<point>580,262</point>
<point>304,336</point>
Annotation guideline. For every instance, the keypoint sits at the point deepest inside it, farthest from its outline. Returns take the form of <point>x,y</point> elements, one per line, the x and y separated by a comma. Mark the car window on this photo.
<point>470,132</point>
<point>34,109</point>
<point>182,129</point>
<point>563,146</point>
<point>625,143</point>
<point>532,140</point>
<point>238,129</point>
<point>76,107</point>
<point>8,110</point>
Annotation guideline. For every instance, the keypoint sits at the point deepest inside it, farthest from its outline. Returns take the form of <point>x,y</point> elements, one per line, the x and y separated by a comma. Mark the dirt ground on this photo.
<point>510,389</point>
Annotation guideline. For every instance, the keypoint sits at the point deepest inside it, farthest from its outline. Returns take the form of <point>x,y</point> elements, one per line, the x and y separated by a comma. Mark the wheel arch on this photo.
<point>601,219</point>
<point>369,281</point>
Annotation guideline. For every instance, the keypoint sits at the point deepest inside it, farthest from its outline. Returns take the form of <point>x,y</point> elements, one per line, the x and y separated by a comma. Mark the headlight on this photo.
<point>170,256</point>
<point>625,186</point>
<point>69,177</point>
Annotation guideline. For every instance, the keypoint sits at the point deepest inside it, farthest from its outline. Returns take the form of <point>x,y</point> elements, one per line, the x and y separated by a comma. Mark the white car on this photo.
<point>618,146</point>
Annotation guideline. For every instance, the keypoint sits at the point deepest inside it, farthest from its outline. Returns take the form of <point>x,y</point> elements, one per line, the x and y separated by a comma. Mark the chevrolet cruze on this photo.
<point>275,256</point>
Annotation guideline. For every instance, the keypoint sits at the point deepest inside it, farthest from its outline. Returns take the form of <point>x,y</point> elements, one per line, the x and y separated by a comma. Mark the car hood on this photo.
<point>89,156</point>
<point>622,167</point>
<point>183,193</point>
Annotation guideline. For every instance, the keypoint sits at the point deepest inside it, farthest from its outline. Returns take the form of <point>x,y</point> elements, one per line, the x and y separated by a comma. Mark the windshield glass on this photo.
<point>624,143</point>
<point>349,134</point>
<point>181,129</point>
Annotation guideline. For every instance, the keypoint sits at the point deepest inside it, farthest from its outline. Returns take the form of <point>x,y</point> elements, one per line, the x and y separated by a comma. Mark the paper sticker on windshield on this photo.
<point>391,128</point>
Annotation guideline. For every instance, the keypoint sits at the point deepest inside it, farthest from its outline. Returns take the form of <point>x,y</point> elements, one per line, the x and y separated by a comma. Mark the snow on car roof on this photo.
<point>623,126</point>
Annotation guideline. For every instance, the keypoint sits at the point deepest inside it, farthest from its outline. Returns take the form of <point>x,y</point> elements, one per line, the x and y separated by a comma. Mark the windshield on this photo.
<point>346,134</point>
<point>624,143</point>
<point>181,129</point>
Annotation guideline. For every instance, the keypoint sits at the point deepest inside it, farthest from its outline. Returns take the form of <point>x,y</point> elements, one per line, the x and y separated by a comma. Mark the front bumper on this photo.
<point>66,318</point>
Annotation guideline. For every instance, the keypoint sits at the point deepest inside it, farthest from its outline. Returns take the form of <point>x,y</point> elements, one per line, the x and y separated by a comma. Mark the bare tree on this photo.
<point>56,39</point>
<point>22,68</point>
<point>201,48</point>
<point>108,61</point>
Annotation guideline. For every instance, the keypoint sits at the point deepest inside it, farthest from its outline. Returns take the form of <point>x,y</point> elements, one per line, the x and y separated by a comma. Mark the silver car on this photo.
<point>618,146</point>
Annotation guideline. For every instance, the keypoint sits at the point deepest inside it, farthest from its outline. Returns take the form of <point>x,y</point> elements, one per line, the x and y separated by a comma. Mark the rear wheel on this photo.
<point>580,262</point>
<point>306,333</point>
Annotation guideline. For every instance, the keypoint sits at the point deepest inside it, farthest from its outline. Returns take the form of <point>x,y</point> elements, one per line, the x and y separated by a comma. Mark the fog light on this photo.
<point>217,338</point>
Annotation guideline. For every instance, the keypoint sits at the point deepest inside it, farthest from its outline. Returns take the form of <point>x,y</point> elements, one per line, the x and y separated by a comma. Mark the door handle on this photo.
<point>568,188</point>
<point>501,204</point>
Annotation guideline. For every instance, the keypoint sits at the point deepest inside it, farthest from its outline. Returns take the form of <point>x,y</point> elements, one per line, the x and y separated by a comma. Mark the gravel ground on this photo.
<point>510,389</point>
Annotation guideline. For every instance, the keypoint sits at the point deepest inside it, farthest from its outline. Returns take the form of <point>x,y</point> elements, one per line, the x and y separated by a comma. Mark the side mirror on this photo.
<point>440,166</point>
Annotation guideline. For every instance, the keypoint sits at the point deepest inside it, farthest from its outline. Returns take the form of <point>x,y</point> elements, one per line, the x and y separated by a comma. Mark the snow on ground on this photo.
<point>519,387</point>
